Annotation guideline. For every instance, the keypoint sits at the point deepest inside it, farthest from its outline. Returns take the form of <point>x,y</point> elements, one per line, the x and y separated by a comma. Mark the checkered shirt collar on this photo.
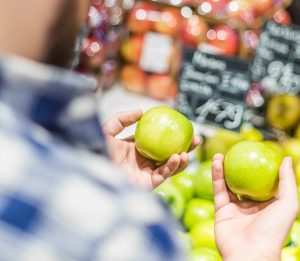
<point>57,99</point>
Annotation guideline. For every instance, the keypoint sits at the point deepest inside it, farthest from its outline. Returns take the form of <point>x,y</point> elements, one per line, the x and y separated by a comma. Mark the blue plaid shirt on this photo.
<point>60,197</point>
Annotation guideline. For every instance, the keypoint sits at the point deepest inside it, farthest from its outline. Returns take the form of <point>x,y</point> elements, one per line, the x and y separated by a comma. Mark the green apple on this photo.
<point>290,254</point>
<point>295,233</point>
<point>204,254</point>
<point>283,111</point>
<point>172,196</point>
<point>251,170</point>
<point>198,210</point>
<point>221,142</point>
<point>162,132</point>
<point>203,181</point>
<point>297,172</point>
<point>202,234</point>
<point>291,147</point>
<point>184,181</point>
<point>250,133</point>
<point>274,145</point>
<point>214,145</point>
<point>297,132</point>
<point>230,137</point>
<point>298,190</point>
<point>199,153</point>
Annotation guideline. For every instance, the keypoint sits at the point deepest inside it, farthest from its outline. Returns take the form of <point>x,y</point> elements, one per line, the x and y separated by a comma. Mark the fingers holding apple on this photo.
<point>162,132</point>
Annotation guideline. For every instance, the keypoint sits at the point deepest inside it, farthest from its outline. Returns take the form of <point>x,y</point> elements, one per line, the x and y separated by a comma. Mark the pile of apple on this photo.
<point>165,21</point>
<point>190,193</point>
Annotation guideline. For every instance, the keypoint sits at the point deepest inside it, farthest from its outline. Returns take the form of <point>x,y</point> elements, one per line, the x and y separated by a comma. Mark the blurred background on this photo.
<point>146,53</point>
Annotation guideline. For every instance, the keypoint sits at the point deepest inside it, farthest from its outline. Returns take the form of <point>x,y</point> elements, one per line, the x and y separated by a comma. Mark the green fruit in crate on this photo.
<point>203,235</point>
<point>185,183</point>
<point>198,210</point>
<point>291,147</point>
<point>204,254</point>
<point>172,197</point>
<point>221,142</point>
<point>295,233</point>
<point>230,137</point>
<point>298,190</point>
<point>283,111</point>
<point>274,145</point>
<point>290,254</point>
<point>250,133</point>
<point>162,132</point>
<point>203,181</point>
<point>213,146</point>
<point>251,170</point>
<point>297,132</point>
<point>297,172</point>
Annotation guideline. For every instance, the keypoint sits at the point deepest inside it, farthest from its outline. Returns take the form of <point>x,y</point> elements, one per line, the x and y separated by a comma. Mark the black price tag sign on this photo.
<point>277,60</point>
<point>212,89</point>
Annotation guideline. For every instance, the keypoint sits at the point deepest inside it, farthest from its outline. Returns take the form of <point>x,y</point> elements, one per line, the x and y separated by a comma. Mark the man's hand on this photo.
<point>140,170</point>
<point>248,230</point>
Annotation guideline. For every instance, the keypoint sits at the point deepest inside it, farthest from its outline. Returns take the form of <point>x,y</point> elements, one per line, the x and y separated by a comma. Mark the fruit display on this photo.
<point>162,132</point>
<point>152,47</point>
<point>101,41</point>
<point>159,31</point>
<point>251,171</point>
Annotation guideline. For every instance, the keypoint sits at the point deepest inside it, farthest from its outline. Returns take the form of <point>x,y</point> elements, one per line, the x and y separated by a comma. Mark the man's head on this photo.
<point>41,30</point>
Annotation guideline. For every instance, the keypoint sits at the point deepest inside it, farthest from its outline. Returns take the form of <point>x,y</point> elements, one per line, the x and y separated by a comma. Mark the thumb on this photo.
<point>118,122</point>
<point>287,188</point>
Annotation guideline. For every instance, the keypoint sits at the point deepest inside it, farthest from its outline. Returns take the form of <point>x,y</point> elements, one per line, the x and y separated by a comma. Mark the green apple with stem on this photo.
<point>203,181</point>
<point>172,196</point>
<point>162,132</point>
<point>198,210</point>
<point>204,254</point>
<point>252,170</point>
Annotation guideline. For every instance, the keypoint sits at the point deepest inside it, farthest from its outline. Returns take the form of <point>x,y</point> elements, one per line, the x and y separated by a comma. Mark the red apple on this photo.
<point>194,30</point>
<point>160,86</point>
<point>224,38</point>
<point>262,6</point>
<point>215,8</point>
<point>138,19</point>
<point>133,78</point>
<point>93,53</point>
<point>169,21</point>
<point>131,49</point>
<point>282,17</point>
<point>241,11</point>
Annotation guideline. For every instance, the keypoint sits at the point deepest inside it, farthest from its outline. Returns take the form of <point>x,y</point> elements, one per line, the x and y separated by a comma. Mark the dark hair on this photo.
<point>62,35</point>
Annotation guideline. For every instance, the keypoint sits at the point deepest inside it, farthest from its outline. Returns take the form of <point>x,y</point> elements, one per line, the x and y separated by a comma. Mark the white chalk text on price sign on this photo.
<point>212,89</point>
<point>277,60</point>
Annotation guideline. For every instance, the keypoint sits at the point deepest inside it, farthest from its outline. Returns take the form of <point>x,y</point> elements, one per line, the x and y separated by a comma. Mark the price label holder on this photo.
<point>276,65</point>
<point>156,53</point>
<point>213,88</point>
